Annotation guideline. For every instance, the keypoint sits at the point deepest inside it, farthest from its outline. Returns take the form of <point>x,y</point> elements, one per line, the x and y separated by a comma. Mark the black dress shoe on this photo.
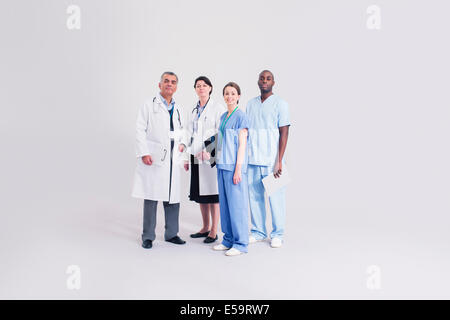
<point>210,239</point>
<point>200,235</point>
<point>147,244</point>
<point>176,240</point>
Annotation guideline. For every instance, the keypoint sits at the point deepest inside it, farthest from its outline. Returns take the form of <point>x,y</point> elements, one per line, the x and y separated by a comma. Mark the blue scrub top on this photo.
<point>265,118</point>
<point>228,144</point>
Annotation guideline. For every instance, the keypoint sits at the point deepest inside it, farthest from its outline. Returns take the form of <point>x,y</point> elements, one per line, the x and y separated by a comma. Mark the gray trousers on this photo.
<point>171,213</point>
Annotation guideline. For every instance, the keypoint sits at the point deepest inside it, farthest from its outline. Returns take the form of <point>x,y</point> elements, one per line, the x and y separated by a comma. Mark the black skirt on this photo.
<point>195,187</point>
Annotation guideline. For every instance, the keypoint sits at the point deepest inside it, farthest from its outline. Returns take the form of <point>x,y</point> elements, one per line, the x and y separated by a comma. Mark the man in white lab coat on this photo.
<point>157,176</point>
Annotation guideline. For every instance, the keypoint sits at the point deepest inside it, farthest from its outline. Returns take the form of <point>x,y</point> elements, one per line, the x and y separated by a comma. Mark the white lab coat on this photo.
<point>153,138</point>
<point>208,125</point>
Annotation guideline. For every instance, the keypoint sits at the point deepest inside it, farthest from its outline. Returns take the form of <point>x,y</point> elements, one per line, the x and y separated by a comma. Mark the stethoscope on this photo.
<point>170,112</point>
<point>196,109</point>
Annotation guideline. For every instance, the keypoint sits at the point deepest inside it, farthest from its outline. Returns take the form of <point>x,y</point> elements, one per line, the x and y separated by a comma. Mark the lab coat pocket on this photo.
<point>157,152</point>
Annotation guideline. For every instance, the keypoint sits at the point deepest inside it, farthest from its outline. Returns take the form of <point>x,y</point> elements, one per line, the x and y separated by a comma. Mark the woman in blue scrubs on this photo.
<point>231,162</point>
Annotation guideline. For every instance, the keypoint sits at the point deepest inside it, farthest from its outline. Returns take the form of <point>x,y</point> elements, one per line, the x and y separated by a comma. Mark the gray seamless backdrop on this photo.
<point>368,146</point>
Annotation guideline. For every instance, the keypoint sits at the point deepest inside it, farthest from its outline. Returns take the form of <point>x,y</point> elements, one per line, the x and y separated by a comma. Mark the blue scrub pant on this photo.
<point>233,200</point>
<point>258,206</point>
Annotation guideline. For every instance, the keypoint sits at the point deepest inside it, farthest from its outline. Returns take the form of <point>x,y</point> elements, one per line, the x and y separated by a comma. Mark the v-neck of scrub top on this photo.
<point>229,140</point>
<point>261,110</point>
<point>265,107</point>
<point>268,98</point>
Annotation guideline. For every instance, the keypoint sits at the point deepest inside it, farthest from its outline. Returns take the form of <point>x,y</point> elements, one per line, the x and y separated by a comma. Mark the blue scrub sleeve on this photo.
<point>283,114</point>
<point>244,122</point>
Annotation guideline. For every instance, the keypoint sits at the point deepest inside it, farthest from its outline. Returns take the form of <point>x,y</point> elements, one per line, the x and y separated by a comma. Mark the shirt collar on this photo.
<point>172,102</point>
<point>198,104</point>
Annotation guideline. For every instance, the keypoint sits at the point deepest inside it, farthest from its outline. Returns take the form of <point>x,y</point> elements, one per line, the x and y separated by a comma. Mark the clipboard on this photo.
<point>210,146</point>
<point>272,184</point>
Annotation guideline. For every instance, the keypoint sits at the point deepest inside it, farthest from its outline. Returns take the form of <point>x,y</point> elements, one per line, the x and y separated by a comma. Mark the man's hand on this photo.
<point>278,170</point>
<point>147,160</point>
<point>186,165</point>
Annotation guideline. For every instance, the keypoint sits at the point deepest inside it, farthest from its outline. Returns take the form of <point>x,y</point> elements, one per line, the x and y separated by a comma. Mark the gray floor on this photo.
<point>323,257</point>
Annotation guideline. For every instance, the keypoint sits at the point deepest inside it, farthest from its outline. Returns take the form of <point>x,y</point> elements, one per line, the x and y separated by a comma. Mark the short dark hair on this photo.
<point>206,80</point>
<point>273,77</point>
<point>233,85</point>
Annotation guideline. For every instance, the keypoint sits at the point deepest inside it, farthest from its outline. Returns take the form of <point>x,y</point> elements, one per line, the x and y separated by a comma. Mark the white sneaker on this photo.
<point>252,239</point>
<point>233,252</point>
<point>220,247</point>
<point>276,243</point>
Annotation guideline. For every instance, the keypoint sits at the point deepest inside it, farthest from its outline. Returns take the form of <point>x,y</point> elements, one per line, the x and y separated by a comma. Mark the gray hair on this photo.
<point>170,73</point>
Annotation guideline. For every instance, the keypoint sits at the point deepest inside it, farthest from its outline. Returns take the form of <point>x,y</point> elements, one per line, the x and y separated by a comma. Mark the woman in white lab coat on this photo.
<point>202,129</point>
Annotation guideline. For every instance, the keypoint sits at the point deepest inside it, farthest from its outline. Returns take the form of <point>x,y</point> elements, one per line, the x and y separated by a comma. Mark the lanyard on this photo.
<point>222,127</point>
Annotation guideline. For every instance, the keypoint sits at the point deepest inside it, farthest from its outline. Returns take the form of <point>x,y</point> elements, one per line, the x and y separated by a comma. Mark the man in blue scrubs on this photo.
<point>268,135</point>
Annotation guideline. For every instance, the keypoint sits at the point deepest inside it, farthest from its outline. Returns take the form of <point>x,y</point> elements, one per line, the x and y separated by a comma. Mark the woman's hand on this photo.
<point>186,165</point>
<point>237,176</point>
<point>206,155</point>
<point>181,147</point>
<point>240,155</point>
<point>203,155</point>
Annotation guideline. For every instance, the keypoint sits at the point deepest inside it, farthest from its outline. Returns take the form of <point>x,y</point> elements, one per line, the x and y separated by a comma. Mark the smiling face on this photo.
<point>202,89</point>
<point>266,81</point>
<point>168,85</point>
<point>231,96</point>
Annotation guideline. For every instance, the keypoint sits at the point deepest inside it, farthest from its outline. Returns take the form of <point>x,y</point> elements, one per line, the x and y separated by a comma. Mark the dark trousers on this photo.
<point>171,213</point>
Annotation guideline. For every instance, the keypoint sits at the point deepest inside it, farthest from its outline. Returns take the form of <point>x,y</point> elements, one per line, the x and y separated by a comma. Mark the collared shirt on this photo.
<point>229,141</point>
<point>168,106</point>
<point>199,113</point>
<point>266,118</point>
<point>200,108</point>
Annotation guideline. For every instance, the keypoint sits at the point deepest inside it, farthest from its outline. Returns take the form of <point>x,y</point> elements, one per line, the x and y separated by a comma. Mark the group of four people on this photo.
<point>229,152</point>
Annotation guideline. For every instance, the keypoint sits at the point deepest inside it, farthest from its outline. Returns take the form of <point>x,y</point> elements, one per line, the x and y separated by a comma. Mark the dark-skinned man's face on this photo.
<point>265,82</point>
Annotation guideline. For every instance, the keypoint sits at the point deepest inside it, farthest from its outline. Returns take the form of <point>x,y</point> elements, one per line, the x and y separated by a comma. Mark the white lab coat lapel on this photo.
<point>159,105</point>
<point>205,111</point>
